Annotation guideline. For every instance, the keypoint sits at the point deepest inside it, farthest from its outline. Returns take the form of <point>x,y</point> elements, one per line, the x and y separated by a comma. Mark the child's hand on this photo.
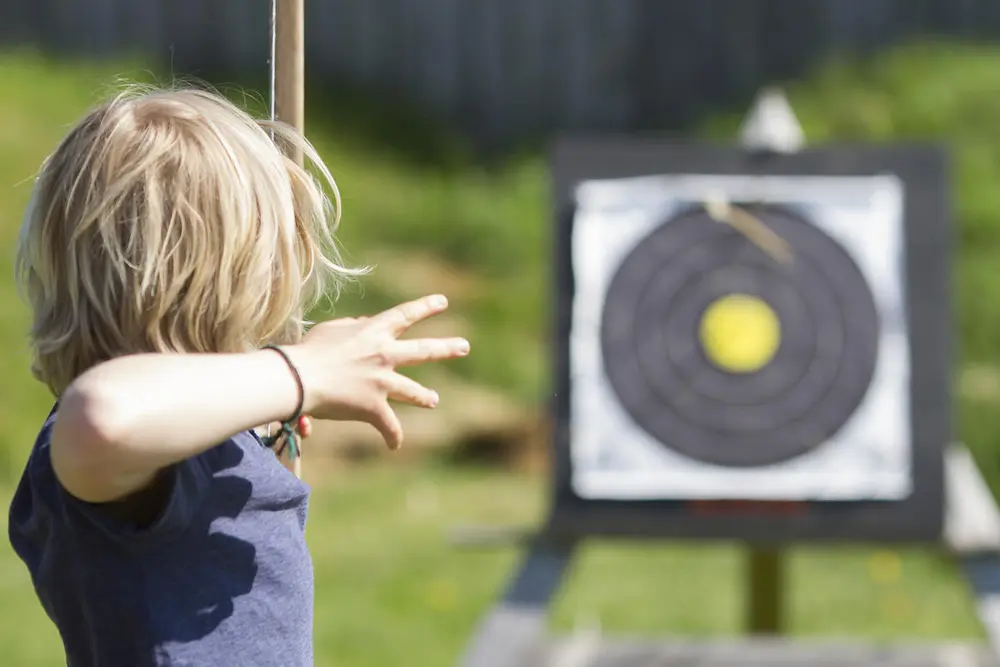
<point>348,366</point>
<point>305,428</point>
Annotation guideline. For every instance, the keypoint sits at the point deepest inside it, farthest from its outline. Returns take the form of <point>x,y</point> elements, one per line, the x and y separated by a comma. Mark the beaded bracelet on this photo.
<point>288,433</point>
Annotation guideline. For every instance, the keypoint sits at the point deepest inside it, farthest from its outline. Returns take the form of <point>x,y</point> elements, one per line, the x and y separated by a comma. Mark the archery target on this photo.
<point>703,366</point>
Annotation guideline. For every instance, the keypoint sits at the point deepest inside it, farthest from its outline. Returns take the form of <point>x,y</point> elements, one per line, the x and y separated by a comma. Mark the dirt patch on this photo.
<point>478,425</point>
<point>521,446</point>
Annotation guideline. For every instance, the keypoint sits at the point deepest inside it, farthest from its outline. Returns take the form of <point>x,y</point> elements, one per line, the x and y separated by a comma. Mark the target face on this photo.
<point>706,365</point>
<point>731,356</point>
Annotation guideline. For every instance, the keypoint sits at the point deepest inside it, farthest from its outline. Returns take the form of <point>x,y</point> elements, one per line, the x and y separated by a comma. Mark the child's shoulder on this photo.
<point>238,469</point>
<point>229,513</point>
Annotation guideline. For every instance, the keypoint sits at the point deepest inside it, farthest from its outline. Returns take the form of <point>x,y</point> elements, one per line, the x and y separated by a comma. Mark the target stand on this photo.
<point>751,345</point>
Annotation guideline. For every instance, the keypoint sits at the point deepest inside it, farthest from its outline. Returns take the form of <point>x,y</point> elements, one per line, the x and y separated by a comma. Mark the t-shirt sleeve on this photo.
<point>184,487</point>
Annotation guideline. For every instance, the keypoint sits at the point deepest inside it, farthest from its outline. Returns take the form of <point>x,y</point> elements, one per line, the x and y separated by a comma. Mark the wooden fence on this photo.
<point>510,69</point>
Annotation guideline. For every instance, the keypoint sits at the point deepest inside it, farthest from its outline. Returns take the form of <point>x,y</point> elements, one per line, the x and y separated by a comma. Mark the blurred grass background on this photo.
<point>431,215</point>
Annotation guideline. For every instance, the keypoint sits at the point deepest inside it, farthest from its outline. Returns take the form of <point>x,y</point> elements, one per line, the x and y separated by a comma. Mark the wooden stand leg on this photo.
<point>517,626</point>
<point>765,601</point>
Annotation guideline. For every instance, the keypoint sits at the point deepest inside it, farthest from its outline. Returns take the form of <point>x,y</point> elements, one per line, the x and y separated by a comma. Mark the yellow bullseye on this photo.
<point>740,333</point>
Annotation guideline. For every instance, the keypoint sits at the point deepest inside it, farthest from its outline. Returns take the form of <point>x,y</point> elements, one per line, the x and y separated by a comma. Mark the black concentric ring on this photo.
<point>817,378</point>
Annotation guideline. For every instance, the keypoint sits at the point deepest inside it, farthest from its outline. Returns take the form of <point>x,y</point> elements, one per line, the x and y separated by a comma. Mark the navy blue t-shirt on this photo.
<point>220,577</point>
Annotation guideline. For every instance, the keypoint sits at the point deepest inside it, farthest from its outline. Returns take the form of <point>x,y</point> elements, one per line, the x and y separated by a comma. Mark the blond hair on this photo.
<point>170,221</point>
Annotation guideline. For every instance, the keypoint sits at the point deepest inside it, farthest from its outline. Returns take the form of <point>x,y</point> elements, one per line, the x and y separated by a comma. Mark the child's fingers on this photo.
<point>404,316</point>
<point>387,422</point>
<point>407,390</point>
<point>305,426</point>
<point>423,350</point>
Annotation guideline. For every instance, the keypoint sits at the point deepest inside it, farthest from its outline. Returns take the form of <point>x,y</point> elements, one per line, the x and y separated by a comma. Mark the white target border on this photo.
<point>613,458</point>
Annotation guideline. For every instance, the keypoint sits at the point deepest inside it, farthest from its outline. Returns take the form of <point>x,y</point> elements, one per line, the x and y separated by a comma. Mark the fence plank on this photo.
<point>509,69</point>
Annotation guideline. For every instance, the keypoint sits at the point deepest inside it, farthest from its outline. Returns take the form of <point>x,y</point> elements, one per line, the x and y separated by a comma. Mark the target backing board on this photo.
<point>751,345</point>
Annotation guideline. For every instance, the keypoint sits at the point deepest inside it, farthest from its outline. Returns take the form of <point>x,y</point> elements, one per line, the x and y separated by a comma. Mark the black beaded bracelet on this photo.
<point>288,426</point>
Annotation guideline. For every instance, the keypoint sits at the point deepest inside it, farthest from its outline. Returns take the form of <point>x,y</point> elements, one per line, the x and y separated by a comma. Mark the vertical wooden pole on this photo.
<point>766,592</point>
<point>289,83</point>
<point>771,125</point>
<point>290,64</point>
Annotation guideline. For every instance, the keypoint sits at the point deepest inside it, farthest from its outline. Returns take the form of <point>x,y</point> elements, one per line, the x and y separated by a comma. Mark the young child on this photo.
<point>170,254</point>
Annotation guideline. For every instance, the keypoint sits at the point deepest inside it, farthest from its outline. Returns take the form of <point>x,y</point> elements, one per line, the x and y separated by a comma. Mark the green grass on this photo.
<point>390,591</point>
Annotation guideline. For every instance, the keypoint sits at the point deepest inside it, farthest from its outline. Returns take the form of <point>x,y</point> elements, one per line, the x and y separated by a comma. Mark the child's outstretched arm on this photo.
<point>124,420</point>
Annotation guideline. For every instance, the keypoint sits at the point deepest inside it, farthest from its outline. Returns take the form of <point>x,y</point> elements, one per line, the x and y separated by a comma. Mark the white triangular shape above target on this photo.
<point>771,124</point>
